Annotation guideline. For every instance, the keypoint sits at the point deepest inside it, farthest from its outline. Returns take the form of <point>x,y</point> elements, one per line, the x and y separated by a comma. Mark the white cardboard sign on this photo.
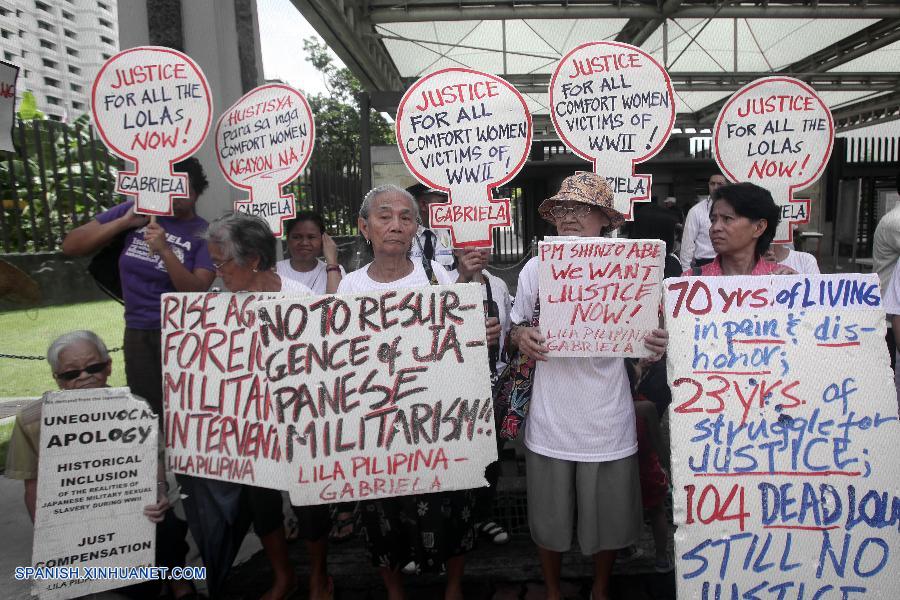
<point>152,106</point>
<point>777,133</point>
<point>784,428</point>
<point>8,75</point>
<point>613,105</point>
<point>332,398</point>
<point>97,471</point>
<point>467,133</point>
<point>263,141</point>
<point>600,296</point>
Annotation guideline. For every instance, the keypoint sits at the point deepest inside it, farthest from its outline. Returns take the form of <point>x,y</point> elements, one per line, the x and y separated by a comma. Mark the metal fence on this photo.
<point>62,175</point>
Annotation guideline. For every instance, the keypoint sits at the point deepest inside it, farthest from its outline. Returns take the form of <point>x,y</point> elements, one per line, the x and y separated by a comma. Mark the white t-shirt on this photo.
<point>359,280</point>
<point>316,279</point>
<point>292,286</point>
<point>802,262</point>
<point>581,408</point>
<point>695,241</point>
<point>890,296</point>
<point>442,252</point>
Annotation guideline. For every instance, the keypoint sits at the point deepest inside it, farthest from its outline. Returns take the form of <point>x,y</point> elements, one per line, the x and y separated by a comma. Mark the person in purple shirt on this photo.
<point>169,255</point>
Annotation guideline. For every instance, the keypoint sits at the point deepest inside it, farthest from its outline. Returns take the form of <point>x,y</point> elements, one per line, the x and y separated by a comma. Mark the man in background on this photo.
<point>427,243</point>
<point>696,249</point>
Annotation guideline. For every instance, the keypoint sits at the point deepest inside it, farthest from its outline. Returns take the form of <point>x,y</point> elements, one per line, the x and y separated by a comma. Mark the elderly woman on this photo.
<point>743,220</point>
<point>580,434</point>
<point>166,256</point>
<point>242,249</point>
<point>425,531</point>
<point>306,242</point>
<point>79,360</point>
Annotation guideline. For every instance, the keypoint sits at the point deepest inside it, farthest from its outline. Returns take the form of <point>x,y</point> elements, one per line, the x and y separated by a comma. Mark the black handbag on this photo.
<point>104,267</point>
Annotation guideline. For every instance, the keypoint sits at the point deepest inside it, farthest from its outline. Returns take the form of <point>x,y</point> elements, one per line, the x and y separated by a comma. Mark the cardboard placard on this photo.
<point>600,296</point>
<point>152,106</point>
<point>465,132</point>
<point>783,426</point>
<point>332,398</point>
<point>8,75</point>
<point>613,105</point>
<point>97,471</point>
<point>264,141</point>
<point>777,133</point>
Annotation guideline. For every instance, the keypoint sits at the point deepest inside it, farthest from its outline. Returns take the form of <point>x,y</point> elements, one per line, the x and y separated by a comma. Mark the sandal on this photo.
<point>343,527</point>
<point>494,532</point>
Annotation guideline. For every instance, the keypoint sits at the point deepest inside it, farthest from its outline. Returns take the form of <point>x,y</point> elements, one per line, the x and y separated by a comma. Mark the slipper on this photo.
<point>342,528</point>
<point>663,565</point>
<point>626,555</point>
<point>494,532</point>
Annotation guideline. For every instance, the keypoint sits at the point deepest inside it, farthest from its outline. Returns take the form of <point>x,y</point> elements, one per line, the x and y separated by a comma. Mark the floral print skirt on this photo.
<point>427,529</point>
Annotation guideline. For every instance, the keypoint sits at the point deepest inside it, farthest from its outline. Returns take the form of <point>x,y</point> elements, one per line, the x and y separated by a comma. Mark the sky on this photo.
<point>282,31</point>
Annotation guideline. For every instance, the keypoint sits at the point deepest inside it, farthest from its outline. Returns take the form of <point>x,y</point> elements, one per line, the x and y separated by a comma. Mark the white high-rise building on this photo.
<point>58,46</point>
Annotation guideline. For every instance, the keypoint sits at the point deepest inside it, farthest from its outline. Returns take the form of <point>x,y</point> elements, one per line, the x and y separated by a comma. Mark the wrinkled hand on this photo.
<point>470,263</point>
<point>329,249</point>
<point>155,236</point>
<point>656,342</point>
<point>783,270</point>
<point>155,513</point>
<point>132,220</point>
<point>492,326</point>
<point>530,342</point>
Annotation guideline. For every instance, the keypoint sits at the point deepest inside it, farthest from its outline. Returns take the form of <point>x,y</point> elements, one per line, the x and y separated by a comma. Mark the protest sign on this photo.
<point>332,398</point>
<point>97,472</point>
<point>264,141</point>
<point>783,422</point>
<point>8,75</point>
<point>613,105</point>
<point>152,106</point>
<point>777,133</point>
<point>467,133</point>
<point>600,296</point>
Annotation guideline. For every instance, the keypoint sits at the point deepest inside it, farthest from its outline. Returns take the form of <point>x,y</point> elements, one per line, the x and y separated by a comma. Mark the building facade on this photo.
<point>58,46</point>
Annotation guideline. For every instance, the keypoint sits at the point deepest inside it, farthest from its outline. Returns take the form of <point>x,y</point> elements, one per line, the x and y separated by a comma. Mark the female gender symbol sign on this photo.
<point>465,132</point>
<point>775,132</point>
<point>263,141</point>
<point>152,107</point>
<point>612,104</point>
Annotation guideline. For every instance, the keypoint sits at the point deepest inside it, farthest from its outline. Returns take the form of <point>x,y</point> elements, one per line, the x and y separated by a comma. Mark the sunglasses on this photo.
<point>579,210</point>
<point>220,265</point>
<point>76,373</point>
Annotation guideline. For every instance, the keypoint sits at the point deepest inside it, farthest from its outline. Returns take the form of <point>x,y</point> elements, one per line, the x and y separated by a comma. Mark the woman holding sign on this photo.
<point>425,531</point>
<point>580,434</point>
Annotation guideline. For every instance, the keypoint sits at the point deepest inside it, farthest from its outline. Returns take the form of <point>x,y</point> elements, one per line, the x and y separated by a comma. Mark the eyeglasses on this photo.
<point>218,266</point>
<point>76,373</point>
<point>578,211</point>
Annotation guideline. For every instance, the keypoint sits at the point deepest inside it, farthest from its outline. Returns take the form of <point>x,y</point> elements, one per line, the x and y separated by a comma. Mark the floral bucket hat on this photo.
<point>586,188</point>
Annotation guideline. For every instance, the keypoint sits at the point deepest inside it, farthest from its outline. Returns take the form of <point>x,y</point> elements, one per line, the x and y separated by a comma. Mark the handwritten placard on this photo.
<point>8,75</point>
<point>777,133</point>
<point>613,105</point>
<point>332,398</point>
<point>264,141</point>
<point>600,296</point>
<point>97,471</point>
<point>467,133</point>
<point>152,106</point>
<point>784,424</point>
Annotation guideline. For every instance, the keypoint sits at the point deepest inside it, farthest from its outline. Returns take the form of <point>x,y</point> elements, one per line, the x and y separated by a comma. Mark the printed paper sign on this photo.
<point>600,296</point>
<point>332,398</point>
<point>264,141</point>
<point>613,105</point>
<point>152,106</point>
<point>8,75</point>
<point>777,133</point>
<point>97,472</point>
<point>784,428</point>
<point>465,132</point>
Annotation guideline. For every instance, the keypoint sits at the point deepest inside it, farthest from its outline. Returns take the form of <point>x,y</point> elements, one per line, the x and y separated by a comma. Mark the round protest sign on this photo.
<point>152,106</point>
<point>612,104</point>
<point>465,132</point>
<point>777,133</point>
<point>264,141</point>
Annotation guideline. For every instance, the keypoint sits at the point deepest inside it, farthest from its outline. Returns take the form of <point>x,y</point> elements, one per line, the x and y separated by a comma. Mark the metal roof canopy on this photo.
<point>846,49</point>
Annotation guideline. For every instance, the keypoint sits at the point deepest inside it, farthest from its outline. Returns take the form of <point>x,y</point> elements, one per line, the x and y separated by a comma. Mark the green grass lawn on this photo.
<point>29,332</point>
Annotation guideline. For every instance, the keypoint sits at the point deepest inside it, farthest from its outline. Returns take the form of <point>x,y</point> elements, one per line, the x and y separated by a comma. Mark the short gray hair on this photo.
<point>67,339</point>
<point>366,205</point>
<point>244,237</point>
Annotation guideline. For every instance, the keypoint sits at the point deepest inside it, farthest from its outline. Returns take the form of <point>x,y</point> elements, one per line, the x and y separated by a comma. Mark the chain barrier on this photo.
<point>23,357</point>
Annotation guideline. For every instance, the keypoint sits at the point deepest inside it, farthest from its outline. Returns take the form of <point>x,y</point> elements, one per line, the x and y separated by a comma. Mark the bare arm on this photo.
<point>184,280</point>
<point>92,236</point>
<point>895,327</point>
<point>332,277</point>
